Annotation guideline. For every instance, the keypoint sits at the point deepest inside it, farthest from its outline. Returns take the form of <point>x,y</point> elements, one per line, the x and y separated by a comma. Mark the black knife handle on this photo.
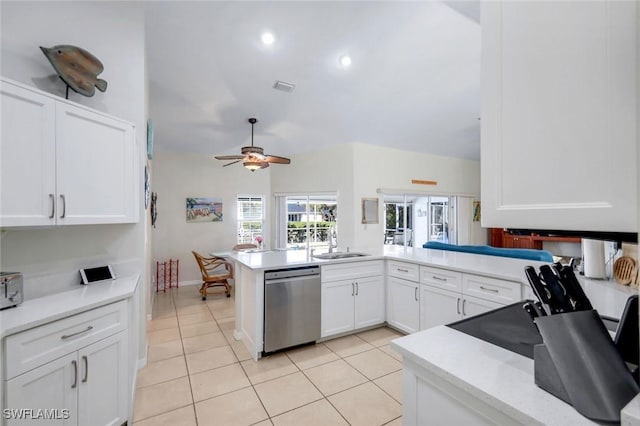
<point>559,301</point>
<point>573,287</point>
<point>538,288</point>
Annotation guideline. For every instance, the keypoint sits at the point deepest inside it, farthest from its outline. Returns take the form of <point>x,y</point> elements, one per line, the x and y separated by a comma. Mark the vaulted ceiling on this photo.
<point>414,81</point>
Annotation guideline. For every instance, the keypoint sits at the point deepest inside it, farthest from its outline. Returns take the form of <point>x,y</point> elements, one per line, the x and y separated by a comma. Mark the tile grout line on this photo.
<point>245,373</point>
<point>193,403</point>
<point>178,408</point>
<point>217,320</point>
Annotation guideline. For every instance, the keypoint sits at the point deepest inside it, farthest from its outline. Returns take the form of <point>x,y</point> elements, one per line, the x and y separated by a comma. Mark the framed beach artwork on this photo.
<point>204,210</point>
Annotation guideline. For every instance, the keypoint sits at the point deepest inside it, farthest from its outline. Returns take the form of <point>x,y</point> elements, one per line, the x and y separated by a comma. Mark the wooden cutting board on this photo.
<point>625,270</point>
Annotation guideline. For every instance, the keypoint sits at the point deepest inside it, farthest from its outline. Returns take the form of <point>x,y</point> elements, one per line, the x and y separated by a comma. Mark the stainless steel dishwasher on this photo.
<point>291,307</point>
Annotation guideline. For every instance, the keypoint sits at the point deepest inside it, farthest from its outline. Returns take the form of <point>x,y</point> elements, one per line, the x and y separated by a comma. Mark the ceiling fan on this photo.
<point>253,157</point>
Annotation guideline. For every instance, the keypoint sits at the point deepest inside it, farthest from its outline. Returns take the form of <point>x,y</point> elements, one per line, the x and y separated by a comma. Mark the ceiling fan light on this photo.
<point>255,165</point>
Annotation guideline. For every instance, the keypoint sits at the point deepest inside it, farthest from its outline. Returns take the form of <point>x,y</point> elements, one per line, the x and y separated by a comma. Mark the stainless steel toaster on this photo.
<point>11,292</point>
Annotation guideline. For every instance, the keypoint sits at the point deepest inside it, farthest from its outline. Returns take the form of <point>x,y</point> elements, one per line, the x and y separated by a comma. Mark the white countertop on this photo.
<point>42,310</point>
<point>607,297</point>
<point>275,259</point>
<point>500,378</point>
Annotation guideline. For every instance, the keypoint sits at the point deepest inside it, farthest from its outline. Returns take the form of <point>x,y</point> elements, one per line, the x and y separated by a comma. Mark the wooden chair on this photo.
<point>213,275</point>
<point>238,247</point>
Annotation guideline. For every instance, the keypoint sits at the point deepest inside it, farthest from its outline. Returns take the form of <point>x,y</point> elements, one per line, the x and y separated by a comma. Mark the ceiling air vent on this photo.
<point>284,86</point>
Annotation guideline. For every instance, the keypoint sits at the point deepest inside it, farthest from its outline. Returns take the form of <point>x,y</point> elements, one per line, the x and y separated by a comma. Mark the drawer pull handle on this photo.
<point>86,368</point>
<point>464,301</point>
<point>353,289</point>
<point>415,294</point>
<point>357,288</point>
<point>402,270</point>
<point>438,278</point>
<point>458,305</point>
<point>75,374</point>
<point>64,206</point>
<point>67,336</point>
<point>493,290</point>
<point>53,206</point>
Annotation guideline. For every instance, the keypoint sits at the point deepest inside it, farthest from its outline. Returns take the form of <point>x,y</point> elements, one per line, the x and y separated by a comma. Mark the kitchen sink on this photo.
<point>339,255</point>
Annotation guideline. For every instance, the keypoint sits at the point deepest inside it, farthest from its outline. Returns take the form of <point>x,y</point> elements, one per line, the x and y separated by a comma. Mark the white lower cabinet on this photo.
<point>403,304</point>
<point>472,306</point>
<point>337,307</point>
<point>102,392</point>
<point>448,296</point>
<point>81,376</point>
<point>352,303</point>
<point>438,306</point>
<point>50,386</point>
<point>369,302</point>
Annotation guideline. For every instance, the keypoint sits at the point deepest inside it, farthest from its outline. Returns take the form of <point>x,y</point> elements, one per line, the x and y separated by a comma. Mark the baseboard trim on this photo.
<point>142,362</point>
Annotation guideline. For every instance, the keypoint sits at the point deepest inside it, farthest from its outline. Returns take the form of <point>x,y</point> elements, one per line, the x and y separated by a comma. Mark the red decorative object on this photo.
<point>167,274</point>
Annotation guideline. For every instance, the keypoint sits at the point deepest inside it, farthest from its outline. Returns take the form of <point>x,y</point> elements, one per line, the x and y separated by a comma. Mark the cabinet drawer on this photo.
<point>442,278</point>
<point>39,345</point>
<point>350,270</point>
<point>407,271</point>
<point>500,291</point>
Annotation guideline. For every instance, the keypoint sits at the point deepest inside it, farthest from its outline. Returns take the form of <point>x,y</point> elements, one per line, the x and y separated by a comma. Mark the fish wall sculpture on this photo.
<point>78,68</point>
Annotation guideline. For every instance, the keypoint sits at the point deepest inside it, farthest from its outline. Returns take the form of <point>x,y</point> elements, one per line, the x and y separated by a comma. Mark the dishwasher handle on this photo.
<point>291,279</point>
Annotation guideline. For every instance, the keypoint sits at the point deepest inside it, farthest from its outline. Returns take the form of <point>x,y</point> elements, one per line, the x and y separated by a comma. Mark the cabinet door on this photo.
<point>403,304</point>
<point>474,306</point>
<point>369,302</point>
<point>438,307</point>
<point>566,158</point>
<point>102,377</point>
<point>27,163</point>
<point>516,241</point>
<point>337,307</point>
<point>96,163</point>
<point>520,241</point>
<point>53,386</point>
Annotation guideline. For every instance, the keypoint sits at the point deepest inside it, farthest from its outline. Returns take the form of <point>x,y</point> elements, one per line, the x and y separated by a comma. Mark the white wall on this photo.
<point>114,32</point>
<point>420,220</point>
<point>177,176</point>
<point>358,170</point>
<point>328,171</point>
<point>379,167</point>
<point>469,232</point>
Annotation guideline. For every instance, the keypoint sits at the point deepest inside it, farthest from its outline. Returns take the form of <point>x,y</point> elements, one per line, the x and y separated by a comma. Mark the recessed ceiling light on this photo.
<point>268,38</point>
<point>345,60</point>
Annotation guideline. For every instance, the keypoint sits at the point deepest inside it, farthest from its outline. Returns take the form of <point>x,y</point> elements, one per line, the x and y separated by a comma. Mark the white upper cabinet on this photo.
<point>27,157</point>
<point>95,167</point>
<point>64,164</point>
<point>558,132</point>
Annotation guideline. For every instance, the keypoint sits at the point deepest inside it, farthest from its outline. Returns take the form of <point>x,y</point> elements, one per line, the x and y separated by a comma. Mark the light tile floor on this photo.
<point>197,374</point>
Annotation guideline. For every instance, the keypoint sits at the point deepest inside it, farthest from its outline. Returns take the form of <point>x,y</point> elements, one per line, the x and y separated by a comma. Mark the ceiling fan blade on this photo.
<point>229,157</point>
<point>233,162</point>
<point>277,160</point>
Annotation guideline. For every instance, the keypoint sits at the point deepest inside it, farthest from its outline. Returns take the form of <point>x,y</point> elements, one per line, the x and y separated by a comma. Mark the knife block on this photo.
<point>579,363</point>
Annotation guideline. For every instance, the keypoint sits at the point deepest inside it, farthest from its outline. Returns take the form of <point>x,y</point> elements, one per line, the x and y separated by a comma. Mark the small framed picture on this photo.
<point>150,139</point>
<point>369,210</point>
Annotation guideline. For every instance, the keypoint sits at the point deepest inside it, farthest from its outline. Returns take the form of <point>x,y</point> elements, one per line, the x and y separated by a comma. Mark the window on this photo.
<point>250,218</point>
<point>307,221</point>
<point>427,218</point>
